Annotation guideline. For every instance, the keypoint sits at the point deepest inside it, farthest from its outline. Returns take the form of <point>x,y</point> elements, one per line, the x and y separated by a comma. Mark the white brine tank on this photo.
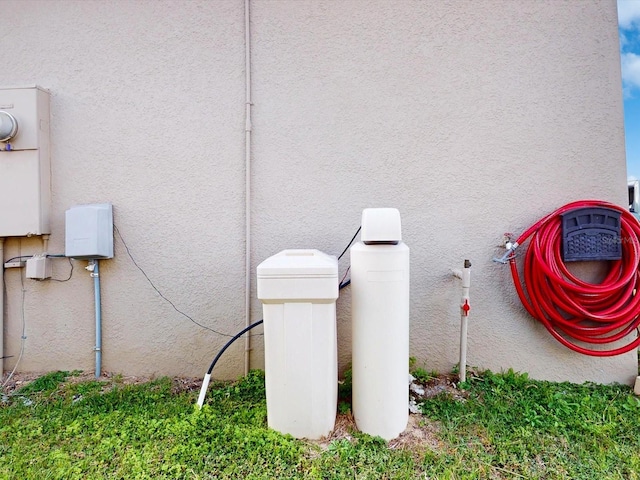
<point>298,290</point>
<point>380,325</point>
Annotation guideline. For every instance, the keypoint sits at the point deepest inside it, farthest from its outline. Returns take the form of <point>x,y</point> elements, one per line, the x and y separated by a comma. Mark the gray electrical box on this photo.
<point>25,169</point>
<point>89,231</point>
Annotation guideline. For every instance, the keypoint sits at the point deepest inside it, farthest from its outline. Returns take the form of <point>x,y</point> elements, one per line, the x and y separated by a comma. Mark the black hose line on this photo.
<point>352,240</point>
<point>228,344</point>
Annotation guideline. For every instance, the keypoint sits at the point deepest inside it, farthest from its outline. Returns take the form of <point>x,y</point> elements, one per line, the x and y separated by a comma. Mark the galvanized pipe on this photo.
<point>247,193</point>
<point>96,287</point>
<point>1,306</point>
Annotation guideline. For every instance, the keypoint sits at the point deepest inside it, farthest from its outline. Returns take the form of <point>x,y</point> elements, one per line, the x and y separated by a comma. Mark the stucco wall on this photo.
<point>471,118</point>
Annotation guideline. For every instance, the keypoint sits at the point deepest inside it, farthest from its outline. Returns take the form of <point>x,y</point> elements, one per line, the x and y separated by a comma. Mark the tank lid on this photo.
<point>299,263</point>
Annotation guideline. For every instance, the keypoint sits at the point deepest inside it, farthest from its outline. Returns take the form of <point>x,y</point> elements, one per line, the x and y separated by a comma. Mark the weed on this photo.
<point>345,390</point>
<point>46,383</point>
<point>344,408</point>
<point>422,376</point>
<point>419,373</point>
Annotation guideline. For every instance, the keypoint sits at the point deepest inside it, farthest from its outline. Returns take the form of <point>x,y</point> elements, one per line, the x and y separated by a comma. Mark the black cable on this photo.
<point>70,273</point>
<point>228,344</point>
<point>352,240</point>
<point>159,292</point>
<point>343,283</point>
<point>18,258</point>
<point>31,256</point>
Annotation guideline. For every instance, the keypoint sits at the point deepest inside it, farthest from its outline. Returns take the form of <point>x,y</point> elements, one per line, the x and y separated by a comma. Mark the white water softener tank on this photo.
<point>298,290</point>
<point>380,325</point>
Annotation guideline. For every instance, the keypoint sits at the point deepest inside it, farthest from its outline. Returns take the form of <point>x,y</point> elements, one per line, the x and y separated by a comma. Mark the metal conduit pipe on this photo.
<point>1,306</point>
<point>95,273</point>
<point>247,169</point>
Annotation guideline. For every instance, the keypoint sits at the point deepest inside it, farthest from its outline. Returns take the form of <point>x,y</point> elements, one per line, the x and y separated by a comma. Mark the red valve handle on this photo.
<point>466,307</point>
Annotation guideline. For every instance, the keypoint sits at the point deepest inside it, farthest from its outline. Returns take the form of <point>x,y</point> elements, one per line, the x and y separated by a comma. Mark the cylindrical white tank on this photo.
<point>380,325</point>
<point>298,290</point>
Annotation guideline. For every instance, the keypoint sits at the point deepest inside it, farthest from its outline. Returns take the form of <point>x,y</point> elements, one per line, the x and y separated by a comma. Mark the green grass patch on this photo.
<point>511,425</point>
<point>46,383</point>
<point>507,426</point>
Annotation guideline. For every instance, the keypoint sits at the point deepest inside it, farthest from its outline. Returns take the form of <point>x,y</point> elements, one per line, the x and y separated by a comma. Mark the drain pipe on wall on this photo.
<point>465,276</point>
<point>247,170</point>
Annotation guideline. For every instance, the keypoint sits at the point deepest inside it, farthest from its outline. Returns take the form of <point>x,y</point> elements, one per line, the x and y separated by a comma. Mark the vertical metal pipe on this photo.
<point>247,169</point>
<point>96,287</point>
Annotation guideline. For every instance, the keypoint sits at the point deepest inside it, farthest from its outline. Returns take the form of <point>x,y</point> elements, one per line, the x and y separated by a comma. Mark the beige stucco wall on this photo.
<point>471,118</point>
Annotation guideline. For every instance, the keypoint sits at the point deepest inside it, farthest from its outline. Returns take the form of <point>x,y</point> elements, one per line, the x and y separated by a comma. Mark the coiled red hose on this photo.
<point>581,315</point>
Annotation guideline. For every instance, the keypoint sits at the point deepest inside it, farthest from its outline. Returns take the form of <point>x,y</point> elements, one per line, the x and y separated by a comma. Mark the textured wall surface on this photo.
<point>471,118</point>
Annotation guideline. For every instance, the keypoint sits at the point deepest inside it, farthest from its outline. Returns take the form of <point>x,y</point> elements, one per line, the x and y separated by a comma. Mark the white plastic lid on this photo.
<point>299,262</point>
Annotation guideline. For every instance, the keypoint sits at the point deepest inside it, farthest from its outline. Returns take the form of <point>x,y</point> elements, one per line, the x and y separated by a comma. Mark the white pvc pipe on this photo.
<point>463,348</point>
<point>203,390</point>
<point>247,169</point>
<point>1,307</point>
<point>464,318</point>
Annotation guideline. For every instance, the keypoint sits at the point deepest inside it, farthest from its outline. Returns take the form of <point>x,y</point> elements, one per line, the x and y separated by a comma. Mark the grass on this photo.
<point>519,428</point>
<point>504,426</point>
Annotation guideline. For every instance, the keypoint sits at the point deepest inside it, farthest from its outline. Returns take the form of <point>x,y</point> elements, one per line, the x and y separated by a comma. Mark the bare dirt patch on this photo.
<point>420,433</point>
<point>179,384</point>
<point>17,381</point>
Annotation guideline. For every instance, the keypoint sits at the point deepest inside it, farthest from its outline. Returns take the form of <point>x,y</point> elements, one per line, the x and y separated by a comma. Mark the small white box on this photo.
<point>89,231</point>
<point>38,267</point>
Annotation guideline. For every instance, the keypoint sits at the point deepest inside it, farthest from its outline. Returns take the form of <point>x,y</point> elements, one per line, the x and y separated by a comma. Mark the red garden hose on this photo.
<point>571,309</point>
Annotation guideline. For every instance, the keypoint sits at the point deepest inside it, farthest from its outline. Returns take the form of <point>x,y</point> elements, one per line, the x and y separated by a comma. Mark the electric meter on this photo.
<point>8,126</point>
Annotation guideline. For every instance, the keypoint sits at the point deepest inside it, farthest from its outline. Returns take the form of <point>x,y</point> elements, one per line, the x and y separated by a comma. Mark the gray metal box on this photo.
<point>25,172</point>
<point>89,231</point>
